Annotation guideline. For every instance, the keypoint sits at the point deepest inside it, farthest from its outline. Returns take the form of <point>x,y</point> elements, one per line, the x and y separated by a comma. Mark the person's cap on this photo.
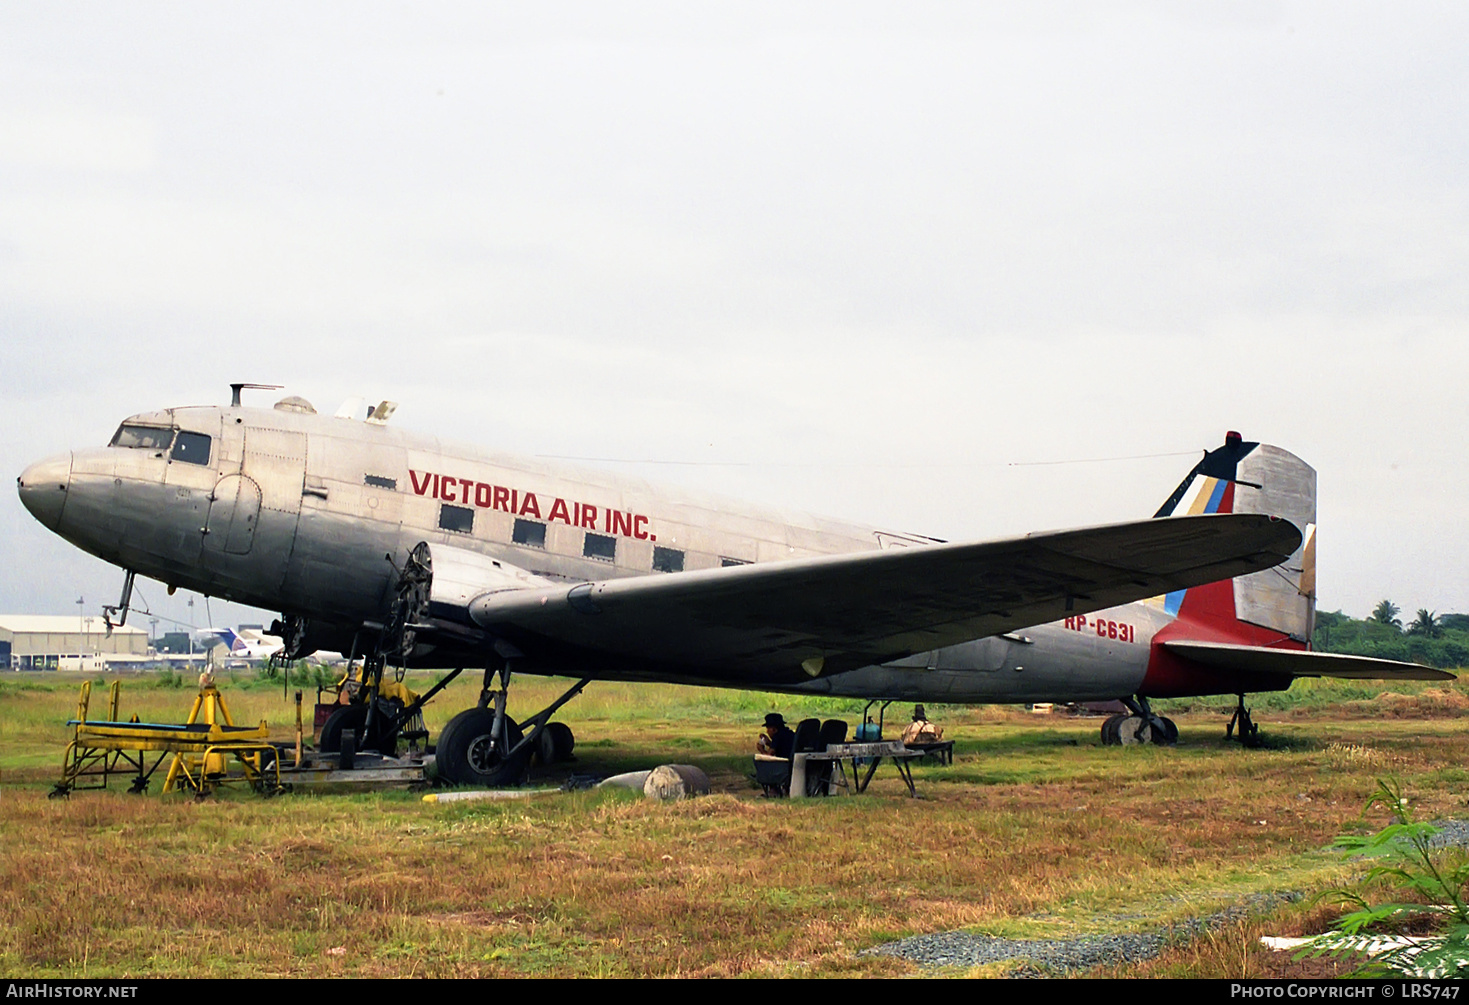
<point>775,719</point>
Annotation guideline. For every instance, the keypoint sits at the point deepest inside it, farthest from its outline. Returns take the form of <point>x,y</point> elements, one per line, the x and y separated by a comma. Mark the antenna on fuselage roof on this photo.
<point>235,390</point>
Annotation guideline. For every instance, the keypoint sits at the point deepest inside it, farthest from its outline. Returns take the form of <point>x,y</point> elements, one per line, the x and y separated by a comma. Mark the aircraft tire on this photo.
<point>1134,729</point>
<point>344,717</point>
<point>1109,730</point>
<point>354,717</point>
<point>562,739</point>
<point>464,754</point>
<point>1168,735</point>
<point>554,743</point>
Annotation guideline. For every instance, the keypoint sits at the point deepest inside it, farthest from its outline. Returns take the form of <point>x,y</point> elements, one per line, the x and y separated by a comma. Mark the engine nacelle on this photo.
<point>461,576</point>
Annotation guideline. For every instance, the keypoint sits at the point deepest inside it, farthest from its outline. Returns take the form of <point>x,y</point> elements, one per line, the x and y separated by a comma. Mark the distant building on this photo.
<point>65,642</point>
<point>175,642</point>
<point>170,646</point>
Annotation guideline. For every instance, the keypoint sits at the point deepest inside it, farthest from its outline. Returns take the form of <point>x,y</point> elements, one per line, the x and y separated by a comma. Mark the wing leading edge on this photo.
<point>788,621</point>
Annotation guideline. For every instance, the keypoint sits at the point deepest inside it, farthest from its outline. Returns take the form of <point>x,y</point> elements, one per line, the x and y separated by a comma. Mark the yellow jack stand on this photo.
<point>202,767</point>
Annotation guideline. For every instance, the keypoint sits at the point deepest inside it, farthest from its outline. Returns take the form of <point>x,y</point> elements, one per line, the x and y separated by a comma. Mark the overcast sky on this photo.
<point>874,261</point>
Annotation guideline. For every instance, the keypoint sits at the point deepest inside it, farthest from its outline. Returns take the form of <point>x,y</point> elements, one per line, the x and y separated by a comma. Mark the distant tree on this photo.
<point>1454,622</point>
<point>1337,633</point>
<point>1426,623</point>
<point>1386,613</point>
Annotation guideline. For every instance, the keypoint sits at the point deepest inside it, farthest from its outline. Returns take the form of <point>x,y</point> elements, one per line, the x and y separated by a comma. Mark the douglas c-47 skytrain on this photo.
<point>404,550</point>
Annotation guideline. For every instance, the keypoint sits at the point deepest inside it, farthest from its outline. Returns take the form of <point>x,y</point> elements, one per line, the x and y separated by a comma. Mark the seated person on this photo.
<point>778,739</point>
<point>920,730</point>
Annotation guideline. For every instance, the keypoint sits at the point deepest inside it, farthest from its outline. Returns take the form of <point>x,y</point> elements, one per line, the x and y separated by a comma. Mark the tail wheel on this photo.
<point>467,754</point>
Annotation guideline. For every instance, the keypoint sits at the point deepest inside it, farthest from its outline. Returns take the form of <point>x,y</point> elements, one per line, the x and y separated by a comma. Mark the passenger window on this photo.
<point>667,559</point>
<point>192,448</point>
<point>142,437</point>
<point>529,532</point>
<point>456,518</point>
<point>600,547</point>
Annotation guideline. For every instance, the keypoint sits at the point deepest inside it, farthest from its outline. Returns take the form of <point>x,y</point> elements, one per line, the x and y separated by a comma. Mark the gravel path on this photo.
<point>966,949</point>
<point>1451,834</point>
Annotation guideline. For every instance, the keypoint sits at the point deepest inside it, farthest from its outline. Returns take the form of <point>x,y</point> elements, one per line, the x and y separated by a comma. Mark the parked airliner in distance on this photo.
<point>245,646</point>
<point>403,550</point>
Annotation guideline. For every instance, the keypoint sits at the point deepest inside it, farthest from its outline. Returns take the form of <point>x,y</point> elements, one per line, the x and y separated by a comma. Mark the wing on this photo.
<point>789,621</point>
<point>1299,663</point>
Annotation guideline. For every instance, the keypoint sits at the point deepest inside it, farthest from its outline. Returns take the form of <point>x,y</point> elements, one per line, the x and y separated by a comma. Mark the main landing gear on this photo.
<point>1145,726</point>
<point>485,746</point>
<point>1142,725</point>
<point>479,746</point>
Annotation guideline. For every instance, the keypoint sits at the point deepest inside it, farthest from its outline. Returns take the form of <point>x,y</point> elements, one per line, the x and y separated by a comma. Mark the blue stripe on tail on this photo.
<point>1174,600</point>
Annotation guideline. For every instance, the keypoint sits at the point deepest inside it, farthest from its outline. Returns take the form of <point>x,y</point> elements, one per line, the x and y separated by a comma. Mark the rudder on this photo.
<point>1250,477</point>
<point>1276,482</point>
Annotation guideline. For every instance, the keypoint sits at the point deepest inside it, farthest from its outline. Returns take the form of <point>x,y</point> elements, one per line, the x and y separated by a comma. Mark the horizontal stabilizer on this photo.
<point>1300,663</point>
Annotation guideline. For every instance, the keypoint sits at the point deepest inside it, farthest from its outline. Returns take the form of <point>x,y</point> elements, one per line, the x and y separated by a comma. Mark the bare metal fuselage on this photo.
<point>307,514</point>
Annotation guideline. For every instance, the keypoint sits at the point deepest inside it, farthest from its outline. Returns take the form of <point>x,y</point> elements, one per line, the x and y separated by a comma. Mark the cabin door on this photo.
<point>266,502</point>
<point>233,515</point>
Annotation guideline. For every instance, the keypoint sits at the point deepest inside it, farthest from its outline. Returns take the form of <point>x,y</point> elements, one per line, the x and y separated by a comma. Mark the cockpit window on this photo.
<point>192,448</point>
<point>143,437</point>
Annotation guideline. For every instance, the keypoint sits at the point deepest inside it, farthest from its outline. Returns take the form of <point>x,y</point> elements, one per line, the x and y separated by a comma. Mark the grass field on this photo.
<point>1035,831</point>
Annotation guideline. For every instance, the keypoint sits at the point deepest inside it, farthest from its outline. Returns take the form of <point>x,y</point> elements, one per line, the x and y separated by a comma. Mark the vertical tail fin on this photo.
<point>1204,485</point>
<point>1282,598</point>
<point>228,637</point>
<point>1251,477</point>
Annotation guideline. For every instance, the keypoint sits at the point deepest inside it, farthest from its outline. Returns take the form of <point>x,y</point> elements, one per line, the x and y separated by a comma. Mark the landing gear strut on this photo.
<point>1142,726</point>
<point>479,746</point>
<point>1249,733</point>
<point>120,609</point>
<point>485,746</point>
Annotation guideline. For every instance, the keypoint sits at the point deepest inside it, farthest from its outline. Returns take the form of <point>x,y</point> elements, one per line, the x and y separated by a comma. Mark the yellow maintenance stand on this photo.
<point>202,748</point>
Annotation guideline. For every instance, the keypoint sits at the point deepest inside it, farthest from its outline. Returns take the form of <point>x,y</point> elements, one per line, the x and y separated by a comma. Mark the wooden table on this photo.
<point>873,753</point>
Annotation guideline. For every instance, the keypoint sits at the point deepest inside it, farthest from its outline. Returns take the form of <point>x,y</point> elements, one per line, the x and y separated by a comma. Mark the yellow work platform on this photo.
<point>202,748</point>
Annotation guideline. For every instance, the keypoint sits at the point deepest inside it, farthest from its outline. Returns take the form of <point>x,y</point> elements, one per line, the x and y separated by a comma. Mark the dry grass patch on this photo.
<point>1037,831</point>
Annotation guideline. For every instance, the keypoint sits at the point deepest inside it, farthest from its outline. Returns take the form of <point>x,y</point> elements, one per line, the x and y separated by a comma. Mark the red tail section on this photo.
<point>1211,613</point>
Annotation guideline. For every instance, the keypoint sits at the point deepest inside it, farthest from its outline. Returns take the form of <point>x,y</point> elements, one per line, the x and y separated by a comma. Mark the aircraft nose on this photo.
<point>43,486</point>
